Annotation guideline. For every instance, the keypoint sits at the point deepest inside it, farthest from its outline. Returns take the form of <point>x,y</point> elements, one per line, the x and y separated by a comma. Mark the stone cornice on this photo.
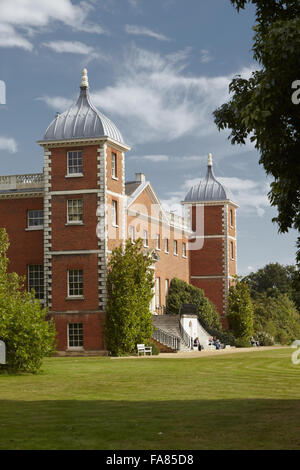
<point>83,142</point>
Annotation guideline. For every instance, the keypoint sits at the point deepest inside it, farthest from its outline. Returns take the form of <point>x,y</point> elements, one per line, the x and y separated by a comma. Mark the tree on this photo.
<point>240,313</point>
<point>274,279</point>
<point>130,291</point>
<point>262,107</point>
<point>181,292</point>
<point>23,328</point>
<point>276,319</point>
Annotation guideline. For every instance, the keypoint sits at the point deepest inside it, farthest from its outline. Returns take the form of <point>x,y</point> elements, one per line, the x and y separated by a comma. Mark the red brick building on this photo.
<point>63,225</point>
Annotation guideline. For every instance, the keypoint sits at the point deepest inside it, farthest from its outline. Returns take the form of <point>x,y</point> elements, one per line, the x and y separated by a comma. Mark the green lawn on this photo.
<point>238,401</point>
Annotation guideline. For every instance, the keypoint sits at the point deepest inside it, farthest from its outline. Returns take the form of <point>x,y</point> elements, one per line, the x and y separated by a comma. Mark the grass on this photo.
<point>238,401</point>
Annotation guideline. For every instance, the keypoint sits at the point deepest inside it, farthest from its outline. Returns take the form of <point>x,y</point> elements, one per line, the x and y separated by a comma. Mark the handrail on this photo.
<point>187,339</point>
<point>32,180</point>
<point>162,337</point>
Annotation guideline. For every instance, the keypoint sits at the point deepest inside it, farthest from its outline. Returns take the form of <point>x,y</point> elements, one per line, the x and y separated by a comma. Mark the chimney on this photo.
<point>140,177</point>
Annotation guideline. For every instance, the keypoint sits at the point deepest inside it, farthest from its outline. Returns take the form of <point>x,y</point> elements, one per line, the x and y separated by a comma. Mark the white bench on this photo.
<point>141,348</point>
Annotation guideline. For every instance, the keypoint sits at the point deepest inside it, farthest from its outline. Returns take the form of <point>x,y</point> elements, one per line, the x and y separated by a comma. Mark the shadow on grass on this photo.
<point>187,424</point>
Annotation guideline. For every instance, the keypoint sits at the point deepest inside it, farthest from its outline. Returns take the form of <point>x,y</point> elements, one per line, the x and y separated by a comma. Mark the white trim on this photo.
<point>83,141</point>
<point>74,175</point>
<point>20,195</point>
<point>35,227</point>
<point>75,252</point>
<point>208,277</point>
<point>111,193</point>
<point>210,203</point>
<point>74,191</point>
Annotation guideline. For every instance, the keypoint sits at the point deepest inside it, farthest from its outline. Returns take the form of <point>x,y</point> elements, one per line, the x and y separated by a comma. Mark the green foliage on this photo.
<point>28,337</point>
<point>242,342</point>
<point>183,293</point>
<point>130,291</point>
<point>276,318</point>
<point>274,279</point>
<point>240,313</point>
<point>155,348</point>
<point>261,107</point>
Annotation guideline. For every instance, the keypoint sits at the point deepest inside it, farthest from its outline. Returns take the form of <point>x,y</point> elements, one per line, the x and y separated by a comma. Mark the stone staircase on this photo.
<point>169,324</point>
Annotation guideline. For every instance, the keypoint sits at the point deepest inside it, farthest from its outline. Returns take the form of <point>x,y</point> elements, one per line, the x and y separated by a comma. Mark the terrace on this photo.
<point>31,181</point>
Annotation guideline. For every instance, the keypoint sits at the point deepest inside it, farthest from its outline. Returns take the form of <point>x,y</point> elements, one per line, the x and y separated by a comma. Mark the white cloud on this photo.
<point>205,56</point>
<point>8,144</point>
<point>142,31</point>
<point>73,47</point>
<point>250,195</point>
<point>58,103</point>
<point>156,158</point>
<point>133,3</point>
<point>26,17</point>
<point>172,159</point>
<point>154,99</point>
<point>10,38</point>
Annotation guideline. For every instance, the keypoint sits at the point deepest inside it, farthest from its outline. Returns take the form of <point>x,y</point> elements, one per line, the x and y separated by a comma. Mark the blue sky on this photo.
<point>158,69</point>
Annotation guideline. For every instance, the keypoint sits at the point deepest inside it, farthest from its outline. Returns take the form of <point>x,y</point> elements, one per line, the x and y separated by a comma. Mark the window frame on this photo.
<point>114,213</point>
<point>167,288</point>
<point>145,239</point>
<point>157,242</point>
<point>184,252</point>
<point>74,222</point>
<point>74,174</point>
<point>35,226</point>
<point>231,250</point>
<point>231,218</point>
<point>80,334</point>
<point>40,291</point>
<point>166,245</point>
<point>80,289</point>
<point>175,245</point>
<point>114,166</point>
<point>131,235</point>
<point>157,292</point>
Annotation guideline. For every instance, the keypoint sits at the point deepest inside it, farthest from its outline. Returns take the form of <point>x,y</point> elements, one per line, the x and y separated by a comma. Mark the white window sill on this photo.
<point>34,227</point>
<point>185,257</point>
<point>75,348</point>
<point>175,254</point>
<point>167,252</point>
<point>74,223</point>
<point>115,178</point>
<point>74,175</point>
<point>116,226</point>
<point>75,297</point>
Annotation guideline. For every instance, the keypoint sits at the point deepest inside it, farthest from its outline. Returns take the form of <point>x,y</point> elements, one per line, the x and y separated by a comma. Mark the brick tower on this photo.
<point>213,250</point>
<point>84,188</point>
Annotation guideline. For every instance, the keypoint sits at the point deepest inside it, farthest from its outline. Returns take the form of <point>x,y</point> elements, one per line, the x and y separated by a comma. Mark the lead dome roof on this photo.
<point>209,188</point>
<point>82,120</point>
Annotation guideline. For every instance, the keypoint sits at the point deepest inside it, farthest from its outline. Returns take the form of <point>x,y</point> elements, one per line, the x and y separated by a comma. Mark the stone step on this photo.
<point>170,325</point>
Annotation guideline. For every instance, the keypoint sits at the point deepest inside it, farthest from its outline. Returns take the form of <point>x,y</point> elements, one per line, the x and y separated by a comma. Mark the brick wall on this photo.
<point>26,247</point>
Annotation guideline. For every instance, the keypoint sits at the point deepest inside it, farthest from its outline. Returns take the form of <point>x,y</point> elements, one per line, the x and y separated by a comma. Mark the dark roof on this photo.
<point>131,186</point>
